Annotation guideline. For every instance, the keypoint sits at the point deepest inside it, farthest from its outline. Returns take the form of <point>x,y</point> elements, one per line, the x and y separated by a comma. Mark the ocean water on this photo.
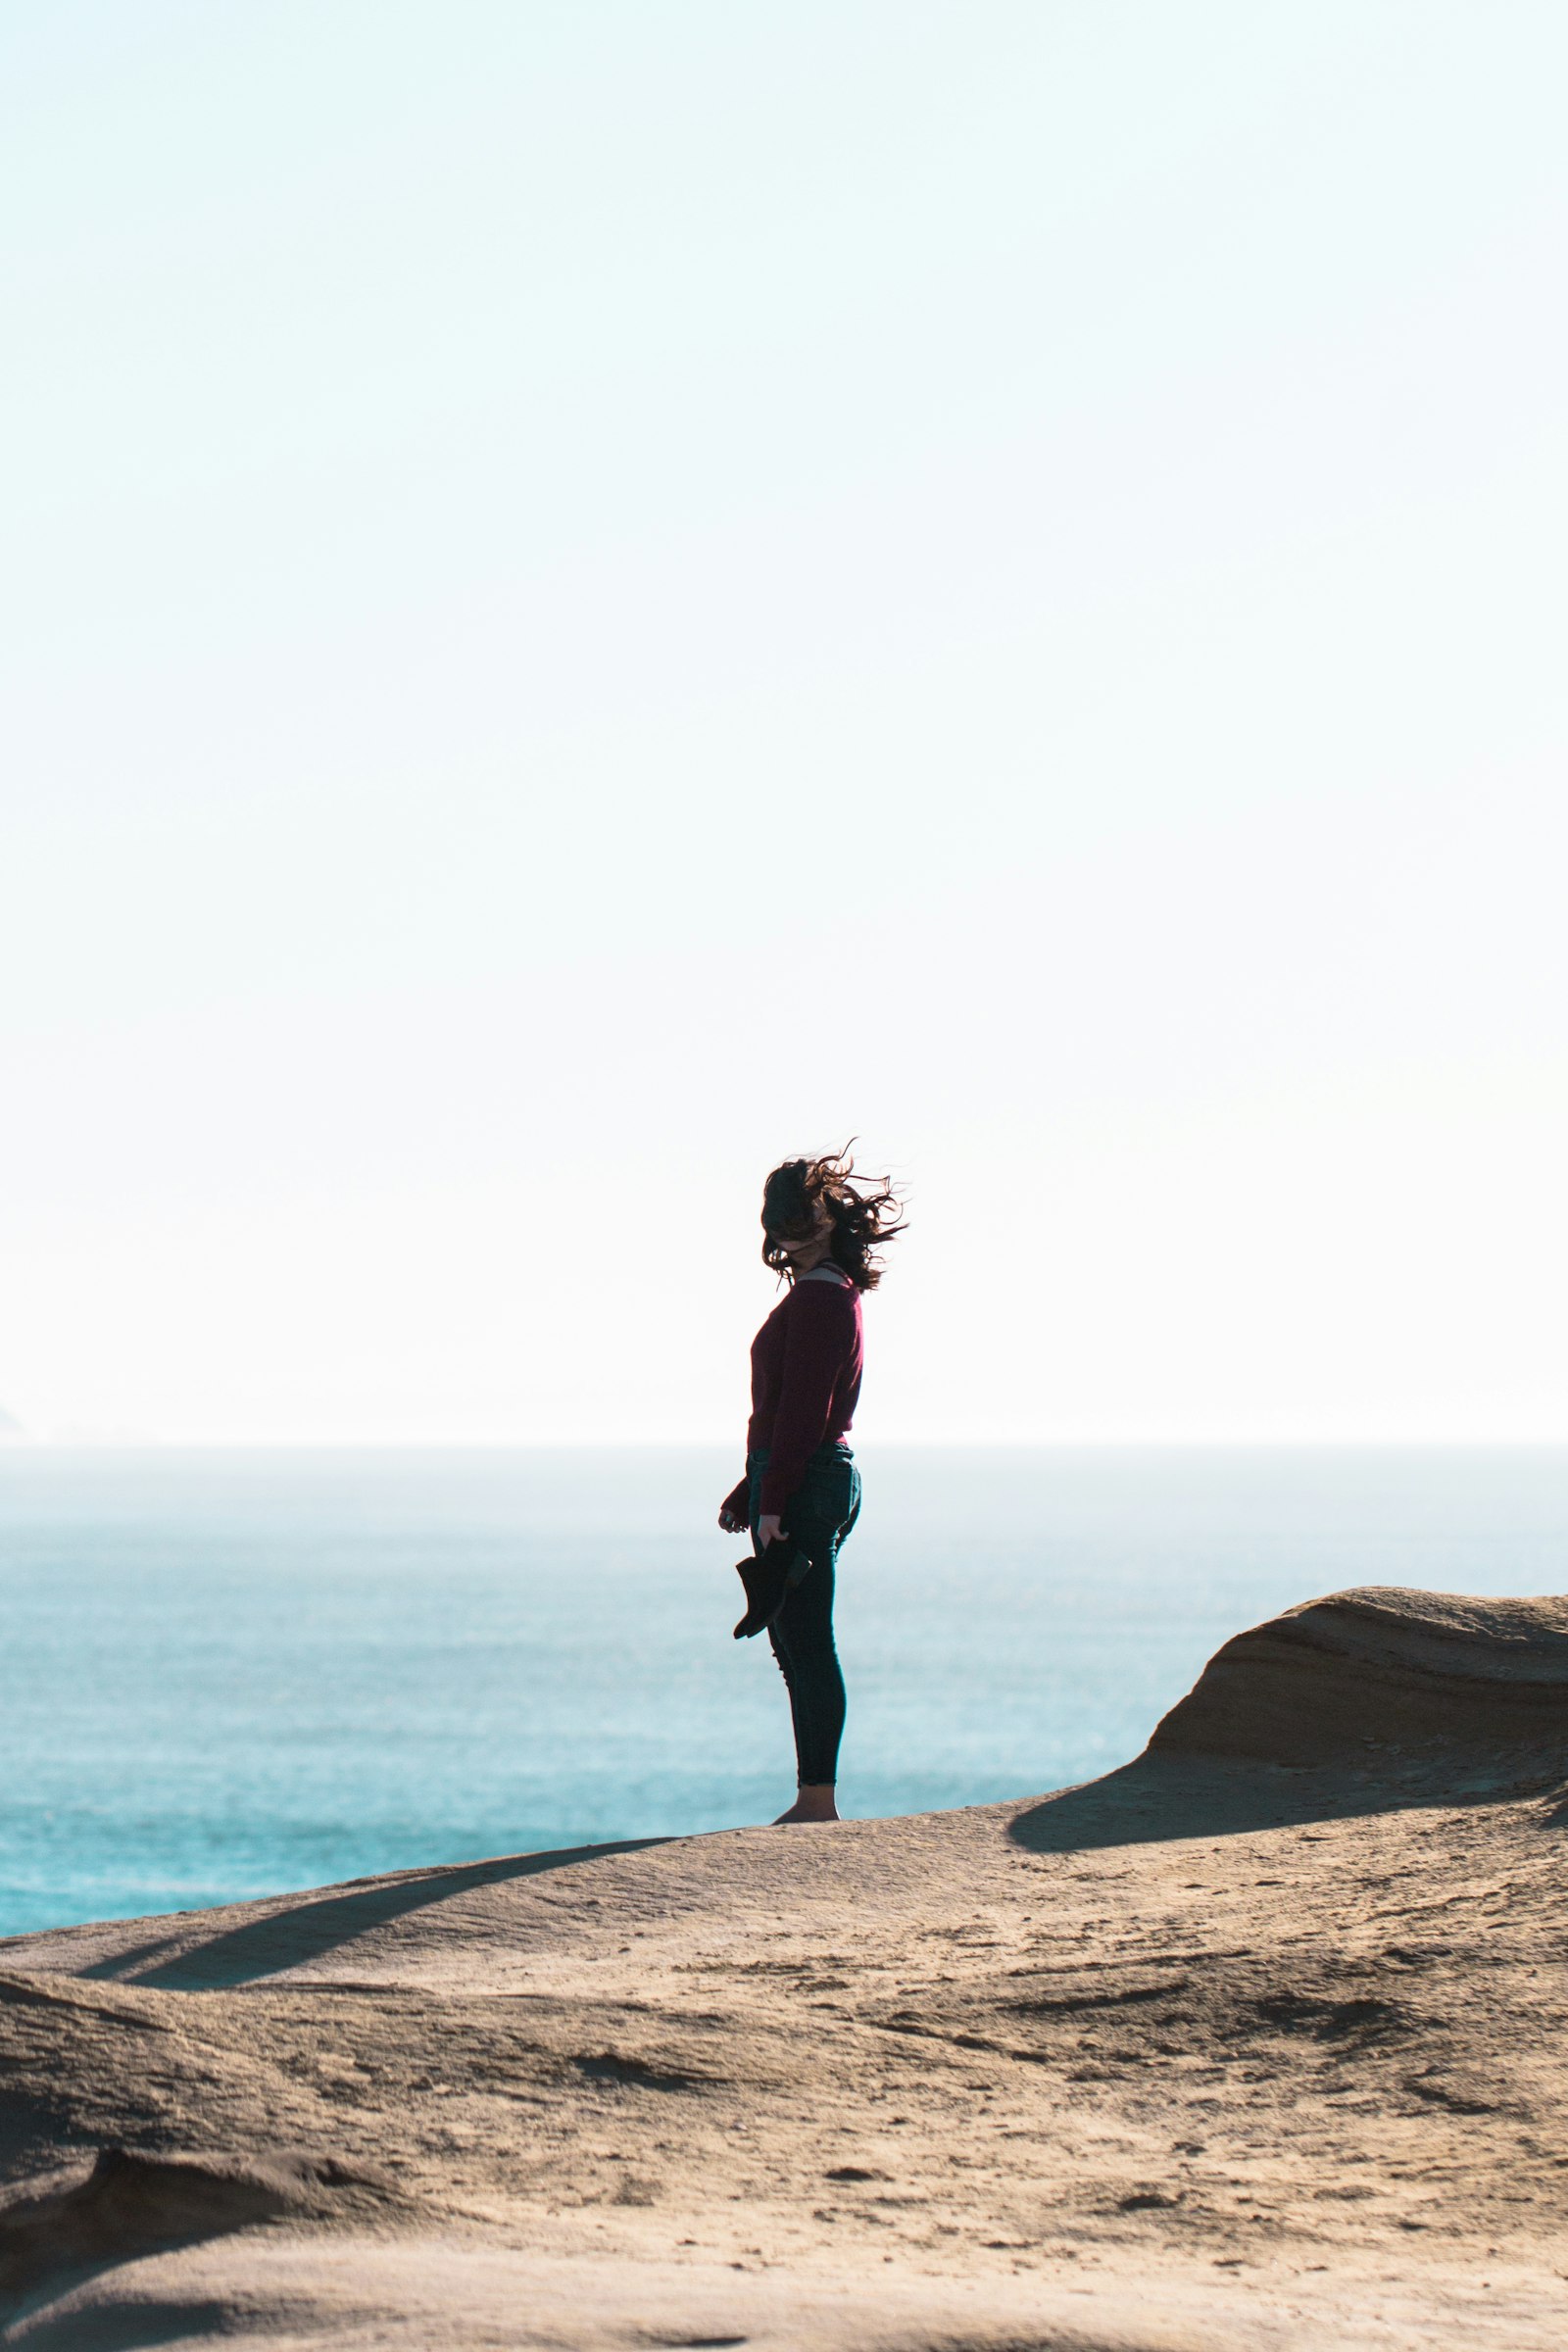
<point>223,1674</point>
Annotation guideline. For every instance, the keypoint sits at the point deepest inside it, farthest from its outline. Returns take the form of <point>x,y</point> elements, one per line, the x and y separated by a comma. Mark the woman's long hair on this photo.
<point>866,1214</point>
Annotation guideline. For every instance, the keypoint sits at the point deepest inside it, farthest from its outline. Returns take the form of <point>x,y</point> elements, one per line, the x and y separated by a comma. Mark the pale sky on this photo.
<point>599,591</point>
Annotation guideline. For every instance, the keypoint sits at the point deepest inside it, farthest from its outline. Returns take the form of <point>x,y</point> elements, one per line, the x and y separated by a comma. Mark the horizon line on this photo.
<point>22,1441</point>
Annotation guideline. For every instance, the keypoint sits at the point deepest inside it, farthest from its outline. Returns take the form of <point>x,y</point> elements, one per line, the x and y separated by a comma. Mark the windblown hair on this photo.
<point>864,1214</point>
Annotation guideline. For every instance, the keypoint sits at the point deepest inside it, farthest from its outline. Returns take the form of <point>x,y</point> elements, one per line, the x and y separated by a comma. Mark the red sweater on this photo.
<point>805,1383</point>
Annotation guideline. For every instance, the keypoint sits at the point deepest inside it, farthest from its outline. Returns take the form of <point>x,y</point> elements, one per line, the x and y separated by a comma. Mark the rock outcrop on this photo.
<point>132,2203</point>
<point>1342,1679</point>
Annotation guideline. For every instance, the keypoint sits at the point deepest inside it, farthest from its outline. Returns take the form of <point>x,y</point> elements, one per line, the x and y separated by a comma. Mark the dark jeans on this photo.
<point>817,1518</point>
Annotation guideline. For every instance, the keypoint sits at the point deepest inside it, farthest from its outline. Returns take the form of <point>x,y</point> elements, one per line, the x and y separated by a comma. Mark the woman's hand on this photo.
<point>769,1530</point>
<point>734,1512</point>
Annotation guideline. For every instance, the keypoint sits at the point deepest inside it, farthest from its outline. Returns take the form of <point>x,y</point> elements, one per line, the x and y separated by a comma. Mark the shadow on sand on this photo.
<point>1160,1799</point>
<point>300,1932</point>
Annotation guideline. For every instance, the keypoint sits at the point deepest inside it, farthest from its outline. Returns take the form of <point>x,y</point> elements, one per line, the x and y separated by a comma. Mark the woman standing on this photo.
<point>801,1490</point>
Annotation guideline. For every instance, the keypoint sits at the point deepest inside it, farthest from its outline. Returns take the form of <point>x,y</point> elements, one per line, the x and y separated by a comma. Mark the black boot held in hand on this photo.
<point>766,1580</point>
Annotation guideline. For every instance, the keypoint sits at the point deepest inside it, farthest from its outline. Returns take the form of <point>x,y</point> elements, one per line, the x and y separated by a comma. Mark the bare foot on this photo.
<point>813,1804</point>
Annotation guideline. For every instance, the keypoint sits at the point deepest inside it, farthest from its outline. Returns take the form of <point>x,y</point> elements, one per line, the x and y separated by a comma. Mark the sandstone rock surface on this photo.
<point>1259,2041</point>
<point>1381,1669</point>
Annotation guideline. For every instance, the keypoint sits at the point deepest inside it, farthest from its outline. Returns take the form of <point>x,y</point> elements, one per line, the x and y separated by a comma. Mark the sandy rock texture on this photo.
<point>1259,2041</point>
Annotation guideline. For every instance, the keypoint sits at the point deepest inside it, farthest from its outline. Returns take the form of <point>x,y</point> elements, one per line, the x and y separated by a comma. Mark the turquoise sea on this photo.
<point>223,1674</point>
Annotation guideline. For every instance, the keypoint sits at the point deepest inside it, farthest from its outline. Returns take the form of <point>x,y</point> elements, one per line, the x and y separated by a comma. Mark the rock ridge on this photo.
<point>1382,1668</point>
